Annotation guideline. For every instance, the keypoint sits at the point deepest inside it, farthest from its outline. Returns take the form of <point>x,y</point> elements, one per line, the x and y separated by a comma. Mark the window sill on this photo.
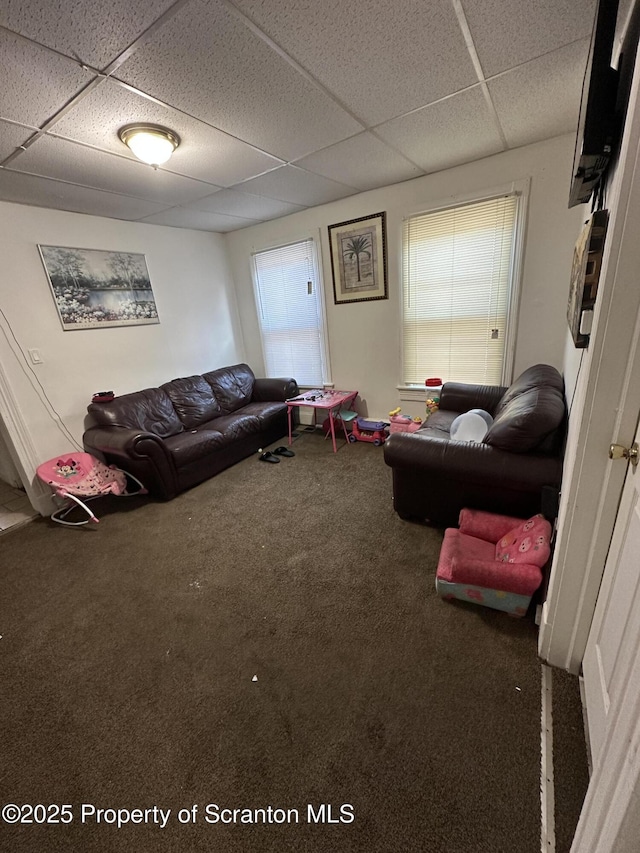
<point>412,393</point>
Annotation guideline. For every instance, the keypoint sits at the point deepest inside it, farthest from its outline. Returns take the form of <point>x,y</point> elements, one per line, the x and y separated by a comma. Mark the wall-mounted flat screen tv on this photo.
<point>597,126</point>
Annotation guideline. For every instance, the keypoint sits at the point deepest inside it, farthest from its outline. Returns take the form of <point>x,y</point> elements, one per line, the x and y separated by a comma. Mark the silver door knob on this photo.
<point>618,451</point>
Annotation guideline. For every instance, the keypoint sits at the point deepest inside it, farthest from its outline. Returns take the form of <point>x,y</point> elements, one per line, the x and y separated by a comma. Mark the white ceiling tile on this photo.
<point>247,67</point>
<point>243,204</point>
<point>509,32</point>
<point>36,83</point>
<point>362,161</point>
<point>204,153</point>
<point>290,183</point>
<point>368,53</point>
<point>454,131</point>
<point>11,137</point>
<point>553,86</point>
<point>42,192</point>
<point>210,65</point>
<point>91,31</point>
<point>200,220</point>
<point>68,161</point>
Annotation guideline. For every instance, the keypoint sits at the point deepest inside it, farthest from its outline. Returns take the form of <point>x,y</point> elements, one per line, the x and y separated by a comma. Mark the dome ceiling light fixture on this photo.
<point>151,143</point>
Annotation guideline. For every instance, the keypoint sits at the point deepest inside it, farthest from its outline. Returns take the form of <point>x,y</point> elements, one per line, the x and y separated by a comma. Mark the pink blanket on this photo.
<point>83,475</point>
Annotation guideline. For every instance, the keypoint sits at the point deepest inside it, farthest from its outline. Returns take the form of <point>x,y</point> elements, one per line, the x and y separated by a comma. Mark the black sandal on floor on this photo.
<point>267,456</point>
<point>284,451</point>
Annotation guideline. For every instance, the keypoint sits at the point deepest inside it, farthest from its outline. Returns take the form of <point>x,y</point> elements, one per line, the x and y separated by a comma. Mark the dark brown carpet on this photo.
<point>129,651</point>
<point>571,773</point>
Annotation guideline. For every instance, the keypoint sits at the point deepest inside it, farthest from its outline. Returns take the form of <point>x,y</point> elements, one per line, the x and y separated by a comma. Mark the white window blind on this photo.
<point>290,312</point>
<point>458,267</point>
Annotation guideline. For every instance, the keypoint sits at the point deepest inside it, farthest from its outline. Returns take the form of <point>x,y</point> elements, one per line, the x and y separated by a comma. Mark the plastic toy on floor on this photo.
<point>403,423</point>
<point>80,475</point>
<point>432,405</point>
<point>366,430</point>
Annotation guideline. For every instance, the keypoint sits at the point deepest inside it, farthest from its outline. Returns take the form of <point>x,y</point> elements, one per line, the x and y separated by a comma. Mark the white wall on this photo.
<point>364,338</point>
<point>198,329</point>
<point>8,472</point>
<point>201,327</point>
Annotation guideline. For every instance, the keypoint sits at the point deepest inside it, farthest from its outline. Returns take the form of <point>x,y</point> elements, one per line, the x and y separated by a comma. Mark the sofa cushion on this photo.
<point>232,386</point>
<point>538,376</point>
<point>438,424</point>
<point>266,413</point>
<point>194,445</point>
<point>528,542</point>
<point>527,420</point>
<point>236,426</point>
<point>149,411</point>
<point>193,399</point>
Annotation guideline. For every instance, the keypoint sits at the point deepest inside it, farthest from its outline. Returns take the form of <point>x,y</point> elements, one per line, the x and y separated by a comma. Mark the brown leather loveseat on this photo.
<point>184,432</point>
<point>434,477</point>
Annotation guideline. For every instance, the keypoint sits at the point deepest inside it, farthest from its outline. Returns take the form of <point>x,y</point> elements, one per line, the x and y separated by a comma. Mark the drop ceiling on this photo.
<point>280,105</point>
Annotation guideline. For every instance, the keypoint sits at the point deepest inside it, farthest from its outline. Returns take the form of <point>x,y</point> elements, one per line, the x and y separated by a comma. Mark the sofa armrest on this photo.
<point>489,526</point>
<point>469,461</point>
<point>143,454</point>
<point>460,397</point>
<point>127,443</point>
<point>521,578</point>
<point>267,390</point>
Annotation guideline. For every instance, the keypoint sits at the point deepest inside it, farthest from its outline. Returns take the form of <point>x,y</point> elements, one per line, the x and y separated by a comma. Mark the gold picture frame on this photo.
<point>359,259</point>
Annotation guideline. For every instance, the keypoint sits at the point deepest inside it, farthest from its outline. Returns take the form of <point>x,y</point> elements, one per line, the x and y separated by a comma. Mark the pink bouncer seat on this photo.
<point>494,560</point>
<point>80,475</point>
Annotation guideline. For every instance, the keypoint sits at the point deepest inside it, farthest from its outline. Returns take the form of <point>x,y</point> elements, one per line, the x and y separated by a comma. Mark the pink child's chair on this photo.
<point>81,475</point>
<point>494,560</point>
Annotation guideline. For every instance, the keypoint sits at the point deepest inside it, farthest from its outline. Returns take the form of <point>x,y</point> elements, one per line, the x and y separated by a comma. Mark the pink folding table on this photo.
<point>328,400</point>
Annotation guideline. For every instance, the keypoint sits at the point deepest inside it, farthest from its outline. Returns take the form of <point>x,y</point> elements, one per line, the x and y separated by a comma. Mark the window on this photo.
<point>290,312</point>
<point>458,278</point>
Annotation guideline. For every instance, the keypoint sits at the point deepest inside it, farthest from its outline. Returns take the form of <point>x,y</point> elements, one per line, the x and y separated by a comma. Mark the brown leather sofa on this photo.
<point>184,432</point>
<point>434,477</point>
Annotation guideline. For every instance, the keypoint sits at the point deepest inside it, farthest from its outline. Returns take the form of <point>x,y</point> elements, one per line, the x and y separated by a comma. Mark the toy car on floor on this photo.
<point>366,430</point>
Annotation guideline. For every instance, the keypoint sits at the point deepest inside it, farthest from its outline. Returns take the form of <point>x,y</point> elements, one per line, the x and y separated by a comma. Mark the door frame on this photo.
<point>605,410</point>
<point>22,448</point>
<point>606,407</point>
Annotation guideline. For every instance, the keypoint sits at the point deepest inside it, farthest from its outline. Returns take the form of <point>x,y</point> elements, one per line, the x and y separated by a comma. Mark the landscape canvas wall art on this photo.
<point>93,288</point>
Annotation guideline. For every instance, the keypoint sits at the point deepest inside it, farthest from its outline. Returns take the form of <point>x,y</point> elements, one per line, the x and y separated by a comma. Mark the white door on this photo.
<point>611,669</point>
<point>612,657</point>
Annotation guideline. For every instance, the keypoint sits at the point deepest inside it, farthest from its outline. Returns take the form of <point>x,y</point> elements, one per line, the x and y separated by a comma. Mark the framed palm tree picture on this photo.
<point>359,259</point>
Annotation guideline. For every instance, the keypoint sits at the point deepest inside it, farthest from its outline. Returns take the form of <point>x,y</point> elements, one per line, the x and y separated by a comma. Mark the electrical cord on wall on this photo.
<point>40,390</point>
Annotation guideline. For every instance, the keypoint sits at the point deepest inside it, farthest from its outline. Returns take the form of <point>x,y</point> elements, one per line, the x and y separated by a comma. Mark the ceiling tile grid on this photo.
<point>507,34</point>
<point>43,192</point>
<point>245,205</point>
<point>12,136</point>
<point>180,217</point>
<point>362,161</point>
<point>381,59</point>
<point>90,31</point>
<point>205,60</point>
<point>68,161</point>
<point>446,134</point>
<point>281,105</point>
<point>553,85</point>
<point>204,153</point>
<point>289,183</point>
<point>36,82</point>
